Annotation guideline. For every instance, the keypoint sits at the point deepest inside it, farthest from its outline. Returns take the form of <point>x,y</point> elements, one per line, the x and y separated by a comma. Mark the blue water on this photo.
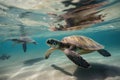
<point>31,65</point>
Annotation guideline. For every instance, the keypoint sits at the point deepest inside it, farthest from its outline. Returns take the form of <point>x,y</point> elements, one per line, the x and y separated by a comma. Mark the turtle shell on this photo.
<point>27,39</point>
<point>83,42</point>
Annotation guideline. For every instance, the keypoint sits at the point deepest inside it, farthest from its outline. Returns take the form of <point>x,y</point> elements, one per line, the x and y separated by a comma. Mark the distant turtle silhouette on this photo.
<point>4,57</point>
<point>24,41</point>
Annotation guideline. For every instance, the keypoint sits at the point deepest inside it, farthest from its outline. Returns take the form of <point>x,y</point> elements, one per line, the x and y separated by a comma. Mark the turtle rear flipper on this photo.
<point>77,59</point>
<point>104,52</point>
<point>24,45</point>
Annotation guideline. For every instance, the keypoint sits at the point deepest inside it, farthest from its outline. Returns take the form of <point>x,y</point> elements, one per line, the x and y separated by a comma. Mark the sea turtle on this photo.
<point>24,41</point>
<point>74,46</point>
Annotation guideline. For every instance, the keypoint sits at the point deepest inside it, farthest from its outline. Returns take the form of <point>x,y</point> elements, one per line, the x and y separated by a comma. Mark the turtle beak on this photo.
<point>49,42</point>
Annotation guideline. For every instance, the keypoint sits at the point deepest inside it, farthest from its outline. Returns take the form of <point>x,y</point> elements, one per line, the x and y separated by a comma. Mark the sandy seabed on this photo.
<point>60,69</point>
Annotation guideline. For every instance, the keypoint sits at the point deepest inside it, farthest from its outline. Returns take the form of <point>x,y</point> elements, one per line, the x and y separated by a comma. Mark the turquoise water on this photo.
<point>31,65</point>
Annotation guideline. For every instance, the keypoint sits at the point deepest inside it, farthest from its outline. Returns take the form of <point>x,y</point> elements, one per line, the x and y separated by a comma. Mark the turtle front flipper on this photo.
<point>48,53</point>
<point>76,58</point>
<point>24,45</point>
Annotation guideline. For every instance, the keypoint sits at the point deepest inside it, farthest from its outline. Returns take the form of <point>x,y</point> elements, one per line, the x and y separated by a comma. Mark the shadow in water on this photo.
<point>30,62</point>
<point>61,69</point>
<point>96,72</point>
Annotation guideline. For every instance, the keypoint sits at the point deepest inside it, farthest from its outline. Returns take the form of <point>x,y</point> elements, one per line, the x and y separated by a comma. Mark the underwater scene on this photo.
<point>59,39</point>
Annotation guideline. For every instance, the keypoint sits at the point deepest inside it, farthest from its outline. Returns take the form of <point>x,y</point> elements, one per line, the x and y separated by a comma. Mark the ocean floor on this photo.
<point>60,68</point>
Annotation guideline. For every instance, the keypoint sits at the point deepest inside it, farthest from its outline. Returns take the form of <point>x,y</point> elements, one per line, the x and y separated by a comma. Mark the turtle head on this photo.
<point>53,43</point>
